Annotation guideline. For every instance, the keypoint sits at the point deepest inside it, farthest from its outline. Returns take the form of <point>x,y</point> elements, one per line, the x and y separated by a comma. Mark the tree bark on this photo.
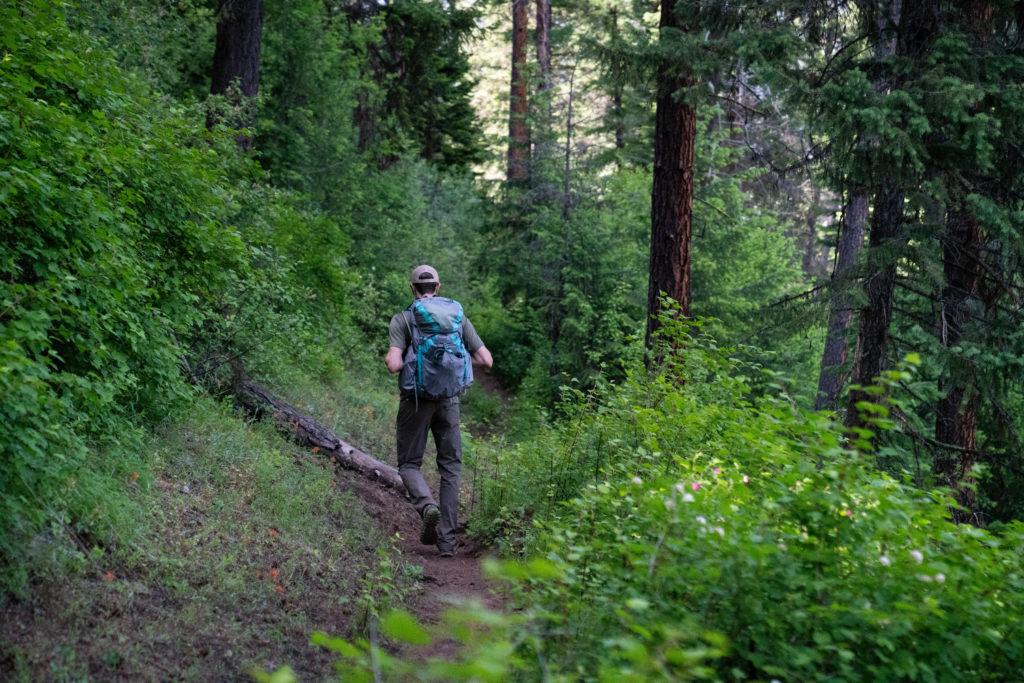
<point>675,133</point>
<point>916,25</point>
<point>956,419</point>
<point>851,237</point>
<point>518,130</point>
<point>873,332</point>
<point>236,62</point>
<point>542,39</point>
<point>308,432</point>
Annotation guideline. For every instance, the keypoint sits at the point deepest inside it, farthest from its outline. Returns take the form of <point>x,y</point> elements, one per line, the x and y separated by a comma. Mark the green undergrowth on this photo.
<point>676,528</point>
<point>224,549</point>
<point>354,398</point>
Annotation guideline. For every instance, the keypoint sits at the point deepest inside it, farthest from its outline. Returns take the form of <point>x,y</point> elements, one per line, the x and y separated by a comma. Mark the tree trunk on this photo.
<point>875,317</point>
<point>557,314</point>
<point>956,420</point>
<point>566,194</point>
<point>851,237</point>
<point>542,38</point>
<point>518,131</point>
<point>675,133</point>
<point>916,25</point>
<point>956,425</point>
<point>236,62</point>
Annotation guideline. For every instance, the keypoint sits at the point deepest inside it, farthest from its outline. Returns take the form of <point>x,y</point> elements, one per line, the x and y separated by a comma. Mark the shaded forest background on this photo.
<point>198,193</point>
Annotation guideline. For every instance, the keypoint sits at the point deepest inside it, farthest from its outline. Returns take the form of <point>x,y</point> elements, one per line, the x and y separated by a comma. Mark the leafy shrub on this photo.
<point>754,523</point>
<point>110,244</point>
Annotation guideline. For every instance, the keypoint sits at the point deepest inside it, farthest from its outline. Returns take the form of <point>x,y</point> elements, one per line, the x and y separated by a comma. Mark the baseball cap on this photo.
<point>423,274</point>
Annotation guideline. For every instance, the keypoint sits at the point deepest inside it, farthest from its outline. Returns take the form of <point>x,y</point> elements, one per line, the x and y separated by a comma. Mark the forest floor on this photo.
<point>219,596</point>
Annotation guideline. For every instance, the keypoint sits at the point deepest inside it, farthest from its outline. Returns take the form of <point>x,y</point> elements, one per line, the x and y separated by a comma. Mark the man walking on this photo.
<point>434,345</point>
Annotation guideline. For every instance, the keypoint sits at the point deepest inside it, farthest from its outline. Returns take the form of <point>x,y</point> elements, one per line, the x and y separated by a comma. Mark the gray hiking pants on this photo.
<point>441,418</point>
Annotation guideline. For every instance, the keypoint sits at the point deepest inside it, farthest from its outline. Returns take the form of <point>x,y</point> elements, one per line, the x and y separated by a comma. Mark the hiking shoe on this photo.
<point>450,552</point>
<point>431,518</point>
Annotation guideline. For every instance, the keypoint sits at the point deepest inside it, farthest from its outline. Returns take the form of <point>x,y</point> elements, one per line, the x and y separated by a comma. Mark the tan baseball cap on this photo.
<point>423,274</point>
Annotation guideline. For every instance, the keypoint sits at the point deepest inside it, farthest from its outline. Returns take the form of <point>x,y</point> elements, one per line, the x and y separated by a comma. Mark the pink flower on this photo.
<point>717,471</point>
<point>696,486</point>
<point>746,480</point>
<point>847,513</point>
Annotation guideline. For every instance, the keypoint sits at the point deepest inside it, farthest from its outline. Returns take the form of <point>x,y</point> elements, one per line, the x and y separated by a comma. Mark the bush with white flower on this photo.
<point>750,538</point>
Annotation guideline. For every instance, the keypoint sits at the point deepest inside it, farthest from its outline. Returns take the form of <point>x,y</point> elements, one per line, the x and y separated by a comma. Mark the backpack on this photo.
<point>437,364</point>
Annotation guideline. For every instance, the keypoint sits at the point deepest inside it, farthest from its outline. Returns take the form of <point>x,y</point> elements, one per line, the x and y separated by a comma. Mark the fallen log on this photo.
<point>308,432</point>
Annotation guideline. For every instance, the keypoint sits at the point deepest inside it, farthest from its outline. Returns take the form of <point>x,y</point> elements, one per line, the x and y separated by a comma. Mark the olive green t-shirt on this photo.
<point>400,332</point>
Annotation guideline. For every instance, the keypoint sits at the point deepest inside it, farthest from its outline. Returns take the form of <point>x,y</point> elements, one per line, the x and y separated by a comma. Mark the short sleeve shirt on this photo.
<point>400,332</point>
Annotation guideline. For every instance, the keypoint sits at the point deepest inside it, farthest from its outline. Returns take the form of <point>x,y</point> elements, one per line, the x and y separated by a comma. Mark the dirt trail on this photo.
<point>444,580</point>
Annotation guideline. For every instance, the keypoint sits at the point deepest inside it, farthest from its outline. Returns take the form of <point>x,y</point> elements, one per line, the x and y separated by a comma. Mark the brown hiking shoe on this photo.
<point>431,518</point>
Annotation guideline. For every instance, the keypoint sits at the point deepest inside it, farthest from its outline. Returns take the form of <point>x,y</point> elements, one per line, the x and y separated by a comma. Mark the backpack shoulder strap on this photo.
<point>413,328</point>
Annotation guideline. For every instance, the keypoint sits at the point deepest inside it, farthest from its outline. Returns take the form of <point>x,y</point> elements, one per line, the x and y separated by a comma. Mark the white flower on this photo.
<point>637,480</point>
<point>679,486</point>
<point>925,578</point>
<point>720,531</point>
<point>782,546</point>
<point>940,578</point>
<point>670,504</point>
<point>746,479</point>
<point>884,559</point>
<point>185,489</point>
<point>917,555</point>
<point>701,519</point>
<point>688,498</point>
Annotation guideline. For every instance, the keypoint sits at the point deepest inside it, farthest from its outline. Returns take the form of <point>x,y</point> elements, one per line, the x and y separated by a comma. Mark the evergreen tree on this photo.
<point>518,127</point>
<point>914,116</point>
<point>236,62</point>
<point>675,132</point>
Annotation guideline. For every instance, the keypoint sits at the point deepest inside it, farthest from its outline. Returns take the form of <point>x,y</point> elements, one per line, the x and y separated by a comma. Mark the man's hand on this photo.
<point>394,359</point>
<point>482,357</point>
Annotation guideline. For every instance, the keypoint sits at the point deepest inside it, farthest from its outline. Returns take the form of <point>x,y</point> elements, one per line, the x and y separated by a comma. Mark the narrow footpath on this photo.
<point>444,581</point>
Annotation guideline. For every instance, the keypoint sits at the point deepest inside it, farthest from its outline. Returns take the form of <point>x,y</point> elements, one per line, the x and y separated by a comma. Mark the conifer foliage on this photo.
<point>915,119</point>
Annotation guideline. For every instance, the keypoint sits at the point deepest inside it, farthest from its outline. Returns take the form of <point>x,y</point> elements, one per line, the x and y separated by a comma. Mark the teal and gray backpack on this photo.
<point>437,364</point>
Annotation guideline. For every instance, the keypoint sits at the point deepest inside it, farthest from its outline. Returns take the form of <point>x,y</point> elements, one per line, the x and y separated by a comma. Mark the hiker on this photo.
<point>434,345</point>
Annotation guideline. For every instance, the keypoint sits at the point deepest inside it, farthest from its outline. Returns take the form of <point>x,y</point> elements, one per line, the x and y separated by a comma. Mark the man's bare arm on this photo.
<point>483,357</point>
<point>394,359</point>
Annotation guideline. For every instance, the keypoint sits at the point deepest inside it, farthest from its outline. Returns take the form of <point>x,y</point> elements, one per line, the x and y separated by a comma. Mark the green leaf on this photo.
<point>402,626</point>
